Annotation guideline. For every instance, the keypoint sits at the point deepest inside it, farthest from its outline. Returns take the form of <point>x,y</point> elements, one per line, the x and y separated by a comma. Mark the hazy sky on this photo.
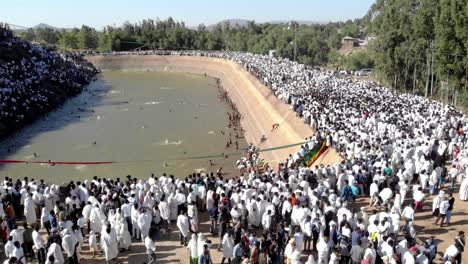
<point>98,13</point>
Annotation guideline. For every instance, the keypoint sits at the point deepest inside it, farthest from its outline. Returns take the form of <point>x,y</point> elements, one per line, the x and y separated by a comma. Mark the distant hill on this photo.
<point>43,25</point>
<point>243,22</point>
<point>300,22</point>
<point>40,26</point>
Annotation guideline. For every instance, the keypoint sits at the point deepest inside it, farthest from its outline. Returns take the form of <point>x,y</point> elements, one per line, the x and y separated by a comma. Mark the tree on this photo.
<point>214,42</point>
<point>358,60</point>
<point>69,40</point>
<point>450,51</point>
<point>47,35</point>
<point>105,42</point>
<point>88,38</point>
<point>28,35</point>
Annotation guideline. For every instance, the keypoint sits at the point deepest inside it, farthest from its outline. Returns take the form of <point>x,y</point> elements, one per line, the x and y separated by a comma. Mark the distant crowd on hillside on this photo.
<point>34,80</point>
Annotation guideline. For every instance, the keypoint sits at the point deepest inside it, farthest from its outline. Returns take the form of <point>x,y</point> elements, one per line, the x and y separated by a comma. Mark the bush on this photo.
<point>358,60</point>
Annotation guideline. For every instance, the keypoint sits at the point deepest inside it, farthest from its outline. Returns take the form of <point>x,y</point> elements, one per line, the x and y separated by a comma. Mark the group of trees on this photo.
<point>84,38</point>
<point>421,46</point>
<point>315,44</point>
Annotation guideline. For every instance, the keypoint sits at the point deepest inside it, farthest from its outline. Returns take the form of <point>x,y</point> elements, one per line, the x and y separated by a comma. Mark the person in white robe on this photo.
<point>92,240</point>
<point>165,211</point>
<point>144,223</point>
<point>18,253</point>
<point>464,189</point>
<point>228,247</point>
<point>193,249</point>
<point>172,206</point>
<point>436,203</point>
<point>45,220</point>
<point>451,252</point>
<point>109,245</point>
<point>39,244</point>
<point>150,250</point>
<point>254,214</point>
<point>397,203</point>
<point>290,248</point>
<point>209,200</point>
<point>408,256</point>
<point>295,257</point>
<point>200,244</point>
<point>386,194</point>
<point>96,218</point>
<point>311,260</point>
<point>56,251</point>
<point>135,213</point>
<point>79,239</point>
<point>125,240</point>
<point>184,227</point>
<point>370,253</point>
<point>87,211</point>
<point>30,210</point>
<point>192,213</point>
<point>69,243</point>
<point>9,247</point>
<point>266,220</point>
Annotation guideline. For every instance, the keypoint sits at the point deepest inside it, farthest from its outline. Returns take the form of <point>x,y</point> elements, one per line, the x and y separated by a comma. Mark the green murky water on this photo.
<point>148,122</point>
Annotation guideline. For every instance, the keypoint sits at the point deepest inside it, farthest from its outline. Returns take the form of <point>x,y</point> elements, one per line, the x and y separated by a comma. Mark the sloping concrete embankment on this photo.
<point>259,107</point>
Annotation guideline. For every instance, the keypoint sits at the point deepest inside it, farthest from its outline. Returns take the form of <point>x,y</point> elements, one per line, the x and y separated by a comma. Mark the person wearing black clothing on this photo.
<point>460,244</point>
<point>282,238</point>
<point>451,202</point>
<point>54,238</point>
<point>213,212</point>
<point>265,243</point>
<point>273,252</point>
<point>73,216</point>
<point>223,222</point>
<point>28,241</point>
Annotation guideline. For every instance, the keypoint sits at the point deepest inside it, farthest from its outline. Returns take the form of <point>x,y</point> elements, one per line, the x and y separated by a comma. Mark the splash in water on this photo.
<point>81,167</point>
<point>152,103</point>
<point>168,142</point>
<point>166,88</point>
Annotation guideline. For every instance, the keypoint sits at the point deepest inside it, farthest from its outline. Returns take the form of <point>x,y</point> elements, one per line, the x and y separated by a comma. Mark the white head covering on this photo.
<point>311,260</point>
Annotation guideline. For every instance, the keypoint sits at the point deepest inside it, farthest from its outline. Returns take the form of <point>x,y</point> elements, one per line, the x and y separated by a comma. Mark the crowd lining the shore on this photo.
<point>34,80</point>
<point>398,149</point>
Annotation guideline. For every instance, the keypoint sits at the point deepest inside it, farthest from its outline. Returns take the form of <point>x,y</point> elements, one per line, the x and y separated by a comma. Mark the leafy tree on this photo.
<point>358,60</point>
<point>69,40</point>
<point>105,42</point>
<point>47,35</point>
<point>28,35</point>
<point>88,38</point>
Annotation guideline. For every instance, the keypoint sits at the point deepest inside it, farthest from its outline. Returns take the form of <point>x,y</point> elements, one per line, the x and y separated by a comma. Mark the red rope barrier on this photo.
<point>60,162</point>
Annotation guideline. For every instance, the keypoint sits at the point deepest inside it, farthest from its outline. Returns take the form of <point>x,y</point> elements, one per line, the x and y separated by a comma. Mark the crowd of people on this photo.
<point>399,151</point>
<point>34,79</point>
